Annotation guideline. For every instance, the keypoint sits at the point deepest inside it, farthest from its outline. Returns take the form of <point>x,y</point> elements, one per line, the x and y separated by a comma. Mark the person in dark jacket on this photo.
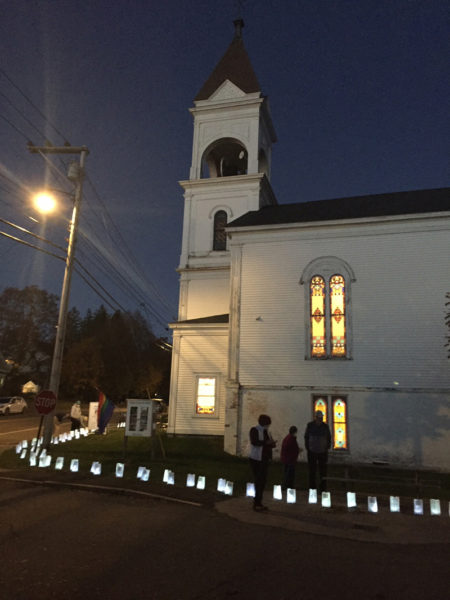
<point>261,444</point>
<point>289,454</point>
<point>317,444</point>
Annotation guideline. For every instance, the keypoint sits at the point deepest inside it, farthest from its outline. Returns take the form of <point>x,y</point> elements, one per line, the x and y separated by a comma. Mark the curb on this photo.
<point>103,488</point>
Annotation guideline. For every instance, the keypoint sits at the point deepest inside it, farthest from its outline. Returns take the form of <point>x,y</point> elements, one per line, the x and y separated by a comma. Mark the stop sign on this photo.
<point>45,402</point>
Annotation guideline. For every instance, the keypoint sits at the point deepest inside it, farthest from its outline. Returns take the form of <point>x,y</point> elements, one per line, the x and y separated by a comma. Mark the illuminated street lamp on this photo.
<point>76,175</point>
<point>45,202</point>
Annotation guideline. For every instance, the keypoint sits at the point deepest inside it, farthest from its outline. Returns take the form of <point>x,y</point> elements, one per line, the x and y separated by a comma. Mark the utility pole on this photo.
<point>76,175</point>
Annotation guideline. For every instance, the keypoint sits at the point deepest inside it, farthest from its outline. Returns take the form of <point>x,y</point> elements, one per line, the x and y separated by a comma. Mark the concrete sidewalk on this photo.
<point>353,524</point>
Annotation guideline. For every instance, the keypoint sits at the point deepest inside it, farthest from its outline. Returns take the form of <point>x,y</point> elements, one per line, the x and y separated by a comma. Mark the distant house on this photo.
<point>332,305</point>
<point>30,388</point>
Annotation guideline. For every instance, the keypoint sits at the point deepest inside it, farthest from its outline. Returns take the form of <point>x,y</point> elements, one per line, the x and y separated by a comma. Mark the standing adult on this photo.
<point>289,454</point>
<point>317,444</point>
<point>75,415</point>
<point>261,444</point>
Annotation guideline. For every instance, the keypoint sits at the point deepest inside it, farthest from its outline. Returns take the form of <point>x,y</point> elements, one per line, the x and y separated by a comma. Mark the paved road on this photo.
<point>71,544</point>
<point>15,428</point>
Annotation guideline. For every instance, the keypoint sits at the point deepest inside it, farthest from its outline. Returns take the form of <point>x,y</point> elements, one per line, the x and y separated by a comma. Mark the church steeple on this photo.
<point>233,131</point>
<point>230,171</point>
<point>235,66</point>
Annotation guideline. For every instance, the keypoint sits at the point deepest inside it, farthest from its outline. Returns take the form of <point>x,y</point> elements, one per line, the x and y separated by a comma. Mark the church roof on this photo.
<point>211,319</point>
<point>234,65</point>
<point>355,207</point>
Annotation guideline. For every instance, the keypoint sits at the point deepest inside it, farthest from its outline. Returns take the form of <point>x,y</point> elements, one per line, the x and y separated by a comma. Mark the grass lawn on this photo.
<point>205,456</point>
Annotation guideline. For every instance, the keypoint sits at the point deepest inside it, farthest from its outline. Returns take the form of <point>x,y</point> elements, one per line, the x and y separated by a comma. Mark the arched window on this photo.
<point>224,158</point>
<point>220,237</point>
<point>327,308</point>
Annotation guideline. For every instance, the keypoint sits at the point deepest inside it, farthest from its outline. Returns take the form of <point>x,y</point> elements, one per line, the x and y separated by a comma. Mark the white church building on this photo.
<point>337,305</point>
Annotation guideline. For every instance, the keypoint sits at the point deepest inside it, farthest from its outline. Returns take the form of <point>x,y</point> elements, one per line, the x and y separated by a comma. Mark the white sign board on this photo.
<point>139,418</point>
<point>93,416</point>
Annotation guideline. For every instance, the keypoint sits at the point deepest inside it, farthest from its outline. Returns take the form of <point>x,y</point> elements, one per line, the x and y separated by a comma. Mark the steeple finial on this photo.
<point>238,25</point>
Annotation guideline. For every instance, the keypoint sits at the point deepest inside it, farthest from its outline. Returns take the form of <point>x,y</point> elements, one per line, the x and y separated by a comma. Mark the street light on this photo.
<point>45,202</point>
<point>76,175</point>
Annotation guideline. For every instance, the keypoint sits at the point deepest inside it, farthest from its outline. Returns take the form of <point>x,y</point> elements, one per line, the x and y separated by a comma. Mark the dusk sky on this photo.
<point>359,95</point>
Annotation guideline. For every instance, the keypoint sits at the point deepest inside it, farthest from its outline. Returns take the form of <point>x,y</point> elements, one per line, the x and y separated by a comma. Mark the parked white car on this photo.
<point>12,404</point>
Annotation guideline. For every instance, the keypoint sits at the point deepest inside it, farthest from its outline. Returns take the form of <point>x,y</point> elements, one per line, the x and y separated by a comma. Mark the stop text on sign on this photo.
<point>45,402</point>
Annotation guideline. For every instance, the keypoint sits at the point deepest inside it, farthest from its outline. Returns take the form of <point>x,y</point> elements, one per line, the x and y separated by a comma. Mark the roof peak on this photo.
<point>234,65</point>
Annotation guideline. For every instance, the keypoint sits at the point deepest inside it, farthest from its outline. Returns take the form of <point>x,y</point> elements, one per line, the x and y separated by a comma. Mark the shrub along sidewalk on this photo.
<point>205,456</point>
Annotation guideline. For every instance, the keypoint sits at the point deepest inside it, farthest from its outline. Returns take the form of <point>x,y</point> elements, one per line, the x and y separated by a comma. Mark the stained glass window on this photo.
<point>337,315</point>
<point>220,236</point>
<point>206,396</point>
<point>340,437</point>
<point>335,413</point>
<point>321,403</point>
<point>328,317</point>
<point>318,346</point>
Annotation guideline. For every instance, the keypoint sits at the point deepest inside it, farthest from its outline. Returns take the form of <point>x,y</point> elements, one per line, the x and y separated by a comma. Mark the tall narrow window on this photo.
<point>340,438</point>
<point>321,403</point>
<point>318,317</point>
<point>337,315</point>
<point>220,238</point>
<point>327,314</point>
<point>206,396</point>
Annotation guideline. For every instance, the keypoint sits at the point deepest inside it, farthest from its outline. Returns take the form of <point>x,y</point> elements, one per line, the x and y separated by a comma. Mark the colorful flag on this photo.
<point>105,411</point>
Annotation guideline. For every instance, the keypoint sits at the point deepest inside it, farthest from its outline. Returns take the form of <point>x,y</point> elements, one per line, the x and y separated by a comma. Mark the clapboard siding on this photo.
<point>204,355</point>
<point>415,437</point>
<point>397,310</point>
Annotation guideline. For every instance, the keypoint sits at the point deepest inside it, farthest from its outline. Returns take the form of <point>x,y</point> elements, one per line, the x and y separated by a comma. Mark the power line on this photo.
<point>14,127</point>
<point>132,288</point>
<point>3,72</point>
<point>130,258</point>
<point>11,103</point>
<point>39,237</point>
<point>98,283</point>
<point>63,258</point>
<point>32,245</point>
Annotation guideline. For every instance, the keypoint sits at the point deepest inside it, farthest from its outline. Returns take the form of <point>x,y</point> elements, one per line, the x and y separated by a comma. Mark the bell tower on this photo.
<point>229,176</point>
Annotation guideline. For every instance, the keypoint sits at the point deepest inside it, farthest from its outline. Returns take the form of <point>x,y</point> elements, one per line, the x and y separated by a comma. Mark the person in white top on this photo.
<point>75,415</point>
<point>261,444</point>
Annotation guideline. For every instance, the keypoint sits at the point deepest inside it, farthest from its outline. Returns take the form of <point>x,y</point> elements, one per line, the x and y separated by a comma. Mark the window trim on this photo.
<point>326,267</point>
<point>211,216</point>
<point>203,375</point>
<point>330,398</point>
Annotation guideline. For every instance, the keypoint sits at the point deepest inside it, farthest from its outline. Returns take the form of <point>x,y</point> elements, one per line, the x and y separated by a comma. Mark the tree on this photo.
<point>116,354</point>
<point>28,319</point>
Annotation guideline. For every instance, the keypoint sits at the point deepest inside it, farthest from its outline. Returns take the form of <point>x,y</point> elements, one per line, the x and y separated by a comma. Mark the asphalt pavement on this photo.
<point>337,521</point>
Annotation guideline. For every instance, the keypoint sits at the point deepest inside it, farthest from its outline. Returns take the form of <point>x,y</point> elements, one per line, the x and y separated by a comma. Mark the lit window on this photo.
<point>336,406</point>
<point>220,236</point>
<point>328,334</point>
<point>321,403</point>
<point>318,348</point>
<point>206,396</point>
<point>337,316</point>
<point>327,299</point>
<point>340,441</point>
